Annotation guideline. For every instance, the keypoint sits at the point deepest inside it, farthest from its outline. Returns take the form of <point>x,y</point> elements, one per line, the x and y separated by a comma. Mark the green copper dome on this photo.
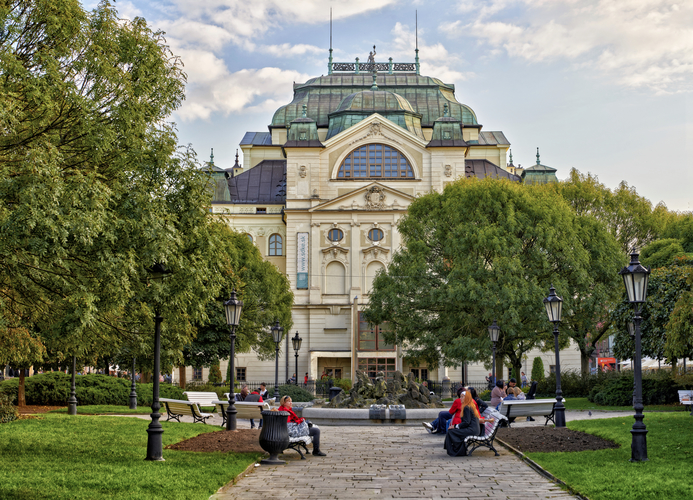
<point>360,105</point>
<point>324,95</point>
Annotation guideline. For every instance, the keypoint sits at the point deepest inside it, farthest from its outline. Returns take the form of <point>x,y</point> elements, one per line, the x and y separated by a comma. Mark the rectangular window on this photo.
<point>262,210</point>
<point>197,373</point>
<point>374,365</point>
<point>420,373</point>
<point>371,337</point>
<point>552,369</point>
<point>240,374</point>
<point>333,372</point>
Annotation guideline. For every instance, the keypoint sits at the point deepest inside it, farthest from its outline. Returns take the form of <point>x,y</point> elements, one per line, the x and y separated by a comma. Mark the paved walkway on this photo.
<point>392,462</point>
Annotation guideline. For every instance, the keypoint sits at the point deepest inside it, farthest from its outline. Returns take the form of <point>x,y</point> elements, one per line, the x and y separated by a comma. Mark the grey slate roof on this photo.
<point>256,139</point>
<point>493,139</point>
<point>264,183</point>
<point>484,168</point>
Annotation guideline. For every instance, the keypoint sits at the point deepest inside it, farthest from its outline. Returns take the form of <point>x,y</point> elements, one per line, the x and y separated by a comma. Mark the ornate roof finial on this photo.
<point>375,77</point>
<point>305,111</point>
<point>237,164</point>
<point>511,157</point>
<point>446,111</point>
<point>211,157</point>
<point>538,157</point>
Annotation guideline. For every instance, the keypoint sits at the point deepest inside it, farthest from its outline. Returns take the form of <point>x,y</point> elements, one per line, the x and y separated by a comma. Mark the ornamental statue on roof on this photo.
<point>371,56</point>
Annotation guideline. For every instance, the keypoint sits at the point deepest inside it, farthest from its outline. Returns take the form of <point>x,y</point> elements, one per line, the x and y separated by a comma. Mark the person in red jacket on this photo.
<point>285,405</point>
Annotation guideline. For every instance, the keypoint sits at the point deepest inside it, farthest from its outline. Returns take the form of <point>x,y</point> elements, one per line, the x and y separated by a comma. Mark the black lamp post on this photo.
<point>72,400</point>
<point>277,333</point>
<point>133,389</point>
<point>494,332</point>
<point>296,341</point>
<point>233,308</point>
<point>154,431</point>
<point>635,277</point>
<point>554,308</point>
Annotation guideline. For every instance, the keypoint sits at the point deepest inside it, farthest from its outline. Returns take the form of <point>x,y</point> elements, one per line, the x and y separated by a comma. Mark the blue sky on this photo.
<point>605,86</point>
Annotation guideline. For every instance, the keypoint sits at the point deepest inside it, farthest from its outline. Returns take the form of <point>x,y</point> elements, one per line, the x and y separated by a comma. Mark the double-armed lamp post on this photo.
<point>494,333</point>
<point>277,335</point>
<point>233,308</point>
<point>296,341</point>
<point>554,308</point>
<point>635,277</point>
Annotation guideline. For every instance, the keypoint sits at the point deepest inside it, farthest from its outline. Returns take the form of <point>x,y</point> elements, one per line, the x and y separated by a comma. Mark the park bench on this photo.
<point>296,443</point>
<point>486,440</point>
<point>686,397</point>
<point>176,408</point>
<point>243,409</point>
<point>202,398</point>
<point>528,408</point>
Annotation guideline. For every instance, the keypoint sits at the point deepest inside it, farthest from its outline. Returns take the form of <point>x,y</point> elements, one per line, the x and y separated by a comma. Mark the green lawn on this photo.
<point>107,410</point>
<point>584,404</point>
<point>85,457</point>
<point>608,474</point>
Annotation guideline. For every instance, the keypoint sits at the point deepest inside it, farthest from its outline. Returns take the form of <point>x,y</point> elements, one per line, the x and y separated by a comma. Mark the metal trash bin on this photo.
<point>274,437</point>
<point>398,412</point>
<point>334,391</point>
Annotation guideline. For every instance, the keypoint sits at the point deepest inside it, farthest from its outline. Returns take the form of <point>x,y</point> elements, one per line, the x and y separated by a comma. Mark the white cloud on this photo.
<point>639,43</point>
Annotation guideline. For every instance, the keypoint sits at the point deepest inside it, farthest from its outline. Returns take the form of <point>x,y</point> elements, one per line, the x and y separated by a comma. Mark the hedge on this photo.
<point>53,389</point>
<point>8,411</point>
<point>297,394</point>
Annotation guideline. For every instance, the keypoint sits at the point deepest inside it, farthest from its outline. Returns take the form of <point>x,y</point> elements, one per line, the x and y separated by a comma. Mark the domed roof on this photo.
<point>374,100</point>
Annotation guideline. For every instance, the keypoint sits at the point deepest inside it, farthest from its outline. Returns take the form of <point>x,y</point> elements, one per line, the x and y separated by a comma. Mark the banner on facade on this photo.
<point>302,261</point>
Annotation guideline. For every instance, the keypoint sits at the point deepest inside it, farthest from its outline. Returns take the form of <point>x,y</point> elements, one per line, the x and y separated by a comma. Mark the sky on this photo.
<point>603,86</point>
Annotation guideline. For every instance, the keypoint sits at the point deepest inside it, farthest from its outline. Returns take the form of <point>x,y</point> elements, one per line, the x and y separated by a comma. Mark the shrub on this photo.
<point>8,411</point>
<point>657,388</point>
<point>538,369</point>
<point>215,374</point>
<point>53,389</point>
<point>297,394</point>
<point>485,395</point>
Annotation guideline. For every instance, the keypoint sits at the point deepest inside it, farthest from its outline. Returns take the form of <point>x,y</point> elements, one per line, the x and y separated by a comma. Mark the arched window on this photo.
<point>375,234</point>
<point>335,235</point>
<point>375,160</point>
<point>275,245</point>
<point>250,237</point>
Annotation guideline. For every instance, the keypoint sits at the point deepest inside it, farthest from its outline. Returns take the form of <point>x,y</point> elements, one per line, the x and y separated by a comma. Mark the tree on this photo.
<point>587,321</point>
<point>21,349</point>
<point>93,187</point>
<point>538,369</point>
<point>668,288</point>
<point>679,342</point>
<point>661,253</point>
<point>479,251</point>
<point>266,295</point>
<point>680,227</point>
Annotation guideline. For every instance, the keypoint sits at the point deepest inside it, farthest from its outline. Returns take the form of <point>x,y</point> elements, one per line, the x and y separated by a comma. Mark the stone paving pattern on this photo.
<point>392,462</point>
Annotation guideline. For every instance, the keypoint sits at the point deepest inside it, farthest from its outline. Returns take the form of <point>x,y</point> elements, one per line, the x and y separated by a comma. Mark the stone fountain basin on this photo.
<point>359,416</point>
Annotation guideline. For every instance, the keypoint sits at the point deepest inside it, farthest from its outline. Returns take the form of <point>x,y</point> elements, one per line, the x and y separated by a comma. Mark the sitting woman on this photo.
<point>299,426</point>
<point>497,394</point>
<point>440,424</point>
<point>465,423</point>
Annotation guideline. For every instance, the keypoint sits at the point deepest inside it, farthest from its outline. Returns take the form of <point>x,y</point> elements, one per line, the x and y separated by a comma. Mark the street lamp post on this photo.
<point>233,308</point>
<point>277,333</point>
<point>72,400</point>
<point>296,340</point>
<point>494,332</point>
<point>133,389</point>
<point>154,431</point>
<point>635,278</point>
<point>554,308</point>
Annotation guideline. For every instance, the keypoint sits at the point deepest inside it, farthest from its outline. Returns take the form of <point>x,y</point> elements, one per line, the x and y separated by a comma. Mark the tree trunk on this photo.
<point>21,400</point>
<point>182,380</point>
<point>584,363</point>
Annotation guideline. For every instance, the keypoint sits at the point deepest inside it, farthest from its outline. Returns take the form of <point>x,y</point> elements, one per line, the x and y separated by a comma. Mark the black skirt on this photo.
<point>454,441</point>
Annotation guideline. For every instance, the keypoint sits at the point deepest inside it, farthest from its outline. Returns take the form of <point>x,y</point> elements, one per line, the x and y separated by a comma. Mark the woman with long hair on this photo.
<point>299,426</point>
<point>464,423</point>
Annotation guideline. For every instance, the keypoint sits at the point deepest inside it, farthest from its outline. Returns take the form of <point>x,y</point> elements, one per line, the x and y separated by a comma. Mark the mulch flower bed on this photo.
<point>238,441</point>
<point>549,439</point>
<point>34,409</point>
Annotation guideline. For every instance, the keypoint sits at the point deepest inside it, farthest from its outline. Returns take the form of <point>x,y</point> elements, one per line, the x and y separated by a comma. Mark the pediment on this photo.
<point>373,197</point>
<point>376,127</point>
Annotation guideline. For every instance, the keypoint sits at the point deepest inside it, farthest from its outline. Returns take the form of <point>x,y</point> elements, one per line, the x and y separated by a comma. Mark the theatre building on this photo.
<point>321,192</point>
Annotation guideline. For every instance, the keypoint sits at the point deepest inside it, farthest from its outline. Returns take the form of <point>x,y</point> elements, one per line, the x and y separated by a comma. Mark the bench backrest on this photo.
<point>686,395</point>
<point>243,409</point>
<point>178,407</point>
<point>202,398</point>
<point>519,408</point>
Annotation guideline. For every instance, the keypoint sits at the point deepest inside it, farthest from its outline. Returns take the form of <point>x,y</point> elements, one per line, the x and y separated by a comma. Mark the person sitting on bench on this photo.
<point>300,427</point>
<point>497,394</point>
<point>464,423</point>
<point>440,424</point>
